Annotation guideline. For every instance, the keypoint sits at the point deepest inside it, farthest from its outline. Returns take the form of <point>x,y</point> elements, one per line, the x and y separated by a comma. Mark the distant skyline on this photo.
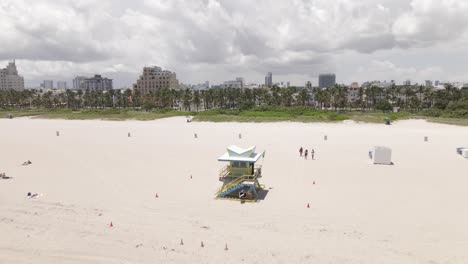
<point>218,40</point>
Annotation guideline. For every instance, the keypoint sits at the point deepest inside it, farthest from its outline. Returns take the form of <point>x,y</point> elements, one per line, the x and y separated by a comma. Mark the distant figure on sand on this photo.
<point>300,151</point>
<point>306,153</point>
<point>312,153</point>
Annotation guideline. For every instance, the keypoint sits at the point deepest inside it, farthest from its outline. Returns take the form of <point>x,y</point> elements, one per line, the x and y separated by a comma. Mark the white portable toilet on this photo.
<point>382,155</point>
<point>464,153</point>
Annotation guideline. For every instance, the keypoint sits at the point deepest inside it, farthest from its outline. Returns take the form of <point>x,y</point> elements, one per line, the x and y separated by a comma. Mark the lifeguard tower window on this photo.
<point>239,164</point>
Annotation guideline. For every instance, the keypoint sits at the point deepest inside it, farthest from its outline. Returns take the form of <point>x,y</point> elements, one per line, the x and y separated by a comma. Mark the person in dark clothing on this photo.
<point>300,151</point>
<point>312,153</point>
<point>306,153</point>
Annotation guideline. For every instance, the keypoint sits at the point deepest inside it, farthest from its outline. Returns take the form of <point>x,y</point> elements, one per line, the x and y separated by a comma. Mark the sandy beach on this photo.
<point>94,174</point>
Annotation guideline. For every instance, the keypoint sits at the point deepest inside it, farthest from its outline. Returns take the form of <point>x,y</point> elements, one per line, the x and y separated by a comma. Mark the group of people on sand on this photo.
<point>27,163</point>
<point>306,153</point>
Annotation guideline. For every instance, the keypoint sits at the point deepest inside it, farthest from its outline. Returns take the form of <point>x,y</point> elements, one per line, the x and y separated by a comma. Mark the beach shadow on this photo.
<point>262,194</point>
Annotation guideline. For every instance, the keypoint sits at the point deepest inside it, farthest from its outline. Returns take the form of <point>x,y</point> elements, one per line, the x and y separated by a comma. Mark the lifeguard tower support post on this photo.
<point>240,176</point>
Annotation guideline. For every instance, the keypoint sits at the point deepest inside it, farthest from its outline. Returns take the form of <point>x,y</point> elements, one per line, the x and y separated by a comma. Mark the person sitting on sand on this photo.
<point>300,151</point>
<point>32,195</point>
<point>306,153</point>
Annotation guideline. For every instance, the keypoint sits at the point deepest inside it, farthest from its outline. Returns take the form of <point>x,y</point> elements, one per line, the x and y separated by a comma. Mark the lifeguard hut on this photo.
<point>240,177</point>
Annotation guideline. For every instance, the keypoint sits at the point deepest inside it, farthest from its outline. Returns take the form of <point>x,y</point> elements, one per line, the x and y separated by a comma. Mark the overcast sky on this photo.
<point>218,40</point>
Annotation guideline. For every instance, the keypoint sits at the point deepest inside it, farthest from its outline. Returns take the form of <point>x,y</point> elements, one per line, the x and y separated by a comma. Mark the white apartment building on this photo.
<point>154,79</point>
<point>9,78</point>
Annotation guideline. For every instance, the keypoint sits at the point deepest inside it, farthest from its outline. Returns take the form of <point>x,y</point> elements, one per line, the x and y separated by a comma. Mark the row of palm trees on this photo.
<point>338,97</point>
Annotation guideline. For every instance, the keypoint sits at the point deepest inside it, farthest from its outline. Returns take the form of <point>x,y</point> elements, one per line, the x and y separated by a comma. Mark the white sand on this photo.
<point>413,212</point>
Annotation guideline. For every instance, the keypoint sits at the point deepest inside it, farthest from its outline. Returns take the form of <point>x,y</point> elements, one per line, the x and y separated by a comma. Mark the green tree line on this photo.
<point>338,98</point>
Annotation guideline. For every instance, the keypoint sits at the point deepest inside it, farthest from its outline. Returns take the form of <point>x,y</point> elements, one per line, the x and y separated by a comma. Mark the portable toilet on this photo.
<point>382,155</point>
<point>463,152</point>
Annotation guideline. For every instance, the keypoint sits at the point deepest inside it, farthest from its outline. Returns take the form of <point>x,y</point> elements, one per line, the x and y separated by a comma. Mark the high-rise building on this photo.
<point>437,83</point>
<point>269,79</point>
<point>428,83</point>
<point>98,83</point>
<point>48,84</point>
<point>154,79</point>
<point>327,80</point>
<point>9,78</point>
<point>407,82</point>
<point>241,81</point>
<point>79,83</point>
<point>61,85</point>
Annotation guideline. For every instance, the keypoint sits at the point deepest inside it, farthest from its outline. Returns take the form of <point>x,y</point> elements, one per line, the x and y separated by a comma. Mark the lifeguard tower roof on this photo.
<point>234,153</point>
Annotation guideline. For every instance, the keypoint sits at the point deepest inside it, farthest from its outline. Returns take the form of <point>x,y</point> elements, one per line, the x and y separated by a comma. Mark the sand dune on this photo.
<point>94,174</point>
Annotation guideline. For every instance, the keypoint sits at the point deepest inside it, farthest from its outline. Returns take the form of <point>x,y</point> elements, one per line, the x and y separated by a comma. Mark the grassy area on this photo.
<point>377,117</point>
<point>257,115</point>
<point>98,114</point>
<point>449,121</point>
<point>271,114</point>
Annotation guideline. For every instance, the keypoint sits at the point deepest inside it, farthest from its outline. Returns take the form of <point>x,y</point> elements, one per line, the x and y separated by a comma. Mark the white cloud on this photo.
<point>243,37</point>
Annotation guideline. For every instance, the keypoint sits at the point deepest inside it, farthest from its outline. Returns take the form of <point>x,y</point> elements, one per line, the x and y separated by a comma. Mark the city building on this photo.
<point>201,86</point>
<point>241,81</point>
<point>407,82</point>
<point>232,84</point>
<point>9,78</point>
<point>47,84</point>
<point>154,79</point>
<point>428,83</point>
<point>79,83</point>
<point>98,83</point>
<point>327,80</point>
<point>61,85</point>
<point>269,79</point>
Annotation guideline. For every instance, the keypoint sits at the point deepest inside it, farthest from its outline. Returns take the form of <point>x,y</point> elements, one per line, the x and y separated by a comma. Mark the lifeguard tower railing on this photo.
<point>230,181</point>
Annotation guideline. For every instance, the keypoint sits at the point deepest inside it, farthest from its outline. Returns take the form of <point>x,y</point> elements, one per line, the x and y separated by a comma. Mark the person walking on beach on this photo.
<point>312,154</point>
<point>300,151</point>
<point>306,153</point>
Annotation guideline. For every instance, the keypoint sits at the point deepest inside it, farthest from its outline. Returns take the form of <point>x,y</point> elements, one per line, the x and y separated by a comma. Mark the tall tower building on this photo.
<point>327,80</point>
<point>269,79</point>
<point>9,78</point>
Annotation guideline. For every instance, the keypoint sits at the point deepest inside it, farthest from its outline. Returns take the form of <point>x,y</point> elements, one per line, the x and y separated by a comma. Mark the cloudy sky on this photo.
<point>218,40</point>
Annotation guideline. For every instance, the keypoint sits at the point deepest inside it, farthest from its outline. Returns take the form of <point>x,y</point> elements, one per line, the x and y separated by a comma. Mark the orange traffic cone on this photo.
<point>156,196</point>
<point>111,225</point>
<point>308,205</point>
